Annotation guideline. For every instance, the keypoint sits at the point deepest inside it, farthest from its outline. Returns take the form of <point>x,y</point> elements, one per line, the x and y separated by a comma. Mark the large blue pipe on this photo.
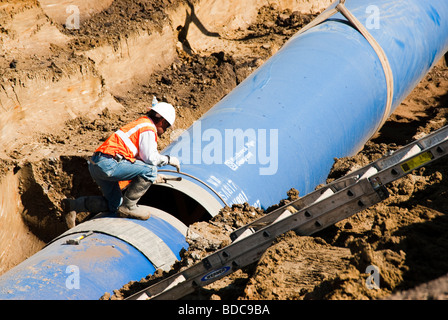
<point>323,95</point>
<point>96,257</point>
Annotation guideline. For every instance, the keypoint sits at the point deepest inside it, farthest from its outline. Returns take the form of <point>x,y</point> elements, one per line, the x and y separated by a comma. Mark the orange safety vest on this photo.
<point>125,141</point>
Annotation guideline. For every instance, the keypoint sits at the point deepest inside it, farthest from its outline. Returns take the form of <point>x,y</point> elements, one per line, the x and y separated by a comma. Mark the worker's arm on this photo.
<point>148,150</point>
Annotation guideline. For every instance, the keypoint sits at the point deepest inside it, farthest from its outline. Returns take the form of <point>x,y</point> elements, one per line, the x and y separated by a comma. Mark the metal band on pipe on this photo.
<point>144,240</point>
<point>199,180</point>
<point>340,7</point>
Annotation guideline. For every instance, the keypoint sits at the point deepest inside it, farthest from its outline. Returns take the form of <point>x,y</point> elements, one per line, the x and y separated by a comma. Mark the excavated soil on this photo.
<point>405,236</point>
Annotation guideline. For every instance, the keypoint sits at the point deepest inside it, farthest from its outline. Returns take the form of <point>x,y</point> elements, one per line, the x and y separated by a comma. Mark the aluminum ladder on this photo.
<point>313,212</point>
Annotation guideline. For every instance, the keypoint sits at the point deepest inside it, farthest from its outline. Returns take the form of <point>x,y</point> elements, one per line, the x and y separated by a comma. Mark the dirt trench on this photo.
<point>60,98</point>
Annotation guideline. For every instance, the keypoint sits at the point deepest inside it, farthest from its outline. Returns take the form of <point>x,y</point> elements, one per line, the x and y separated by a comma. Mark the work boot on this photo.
<point>92,204</point>
<point>70,219</point>
<point>129,208</point>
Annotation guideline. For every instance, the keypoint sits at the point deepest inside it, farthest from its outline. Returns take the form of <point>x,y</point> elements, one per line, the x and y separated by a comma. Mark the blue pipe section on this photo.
<point>100,263</point>
<point>321,96</point>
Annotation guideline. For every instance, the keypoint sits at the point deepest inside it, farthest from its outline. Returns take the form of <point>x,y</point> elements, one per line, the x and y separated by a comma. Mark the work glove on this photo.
<point>161,178</point>
<point>164,179</point>
<point>173,161</point>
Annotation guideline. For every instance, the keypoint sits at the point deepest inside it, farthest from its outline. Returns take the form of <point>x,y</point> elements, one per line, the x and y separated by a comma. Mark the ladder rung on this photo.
<point>245,234</point>
<point>285,214</point>
<point>413,151</point>
<point>176,281</point>
<point>327,193</point>
<point>143,296</point>
<point>370,172</point>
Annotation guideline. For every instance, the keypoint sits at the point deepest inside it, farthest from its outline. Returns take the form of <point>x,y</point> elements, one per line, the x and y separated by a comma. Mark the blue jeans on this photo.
<point>107,172</point>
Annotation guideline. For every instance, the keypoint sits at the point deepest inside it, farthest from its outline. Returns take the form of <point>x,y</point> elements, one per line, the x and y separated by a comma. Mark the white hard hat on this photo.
<point>166,110</point>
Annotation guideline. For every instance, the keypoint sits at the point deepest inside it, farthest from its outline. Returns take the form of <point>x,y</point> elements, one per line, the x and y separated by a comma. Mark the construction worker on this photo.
<point>129,154</point>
